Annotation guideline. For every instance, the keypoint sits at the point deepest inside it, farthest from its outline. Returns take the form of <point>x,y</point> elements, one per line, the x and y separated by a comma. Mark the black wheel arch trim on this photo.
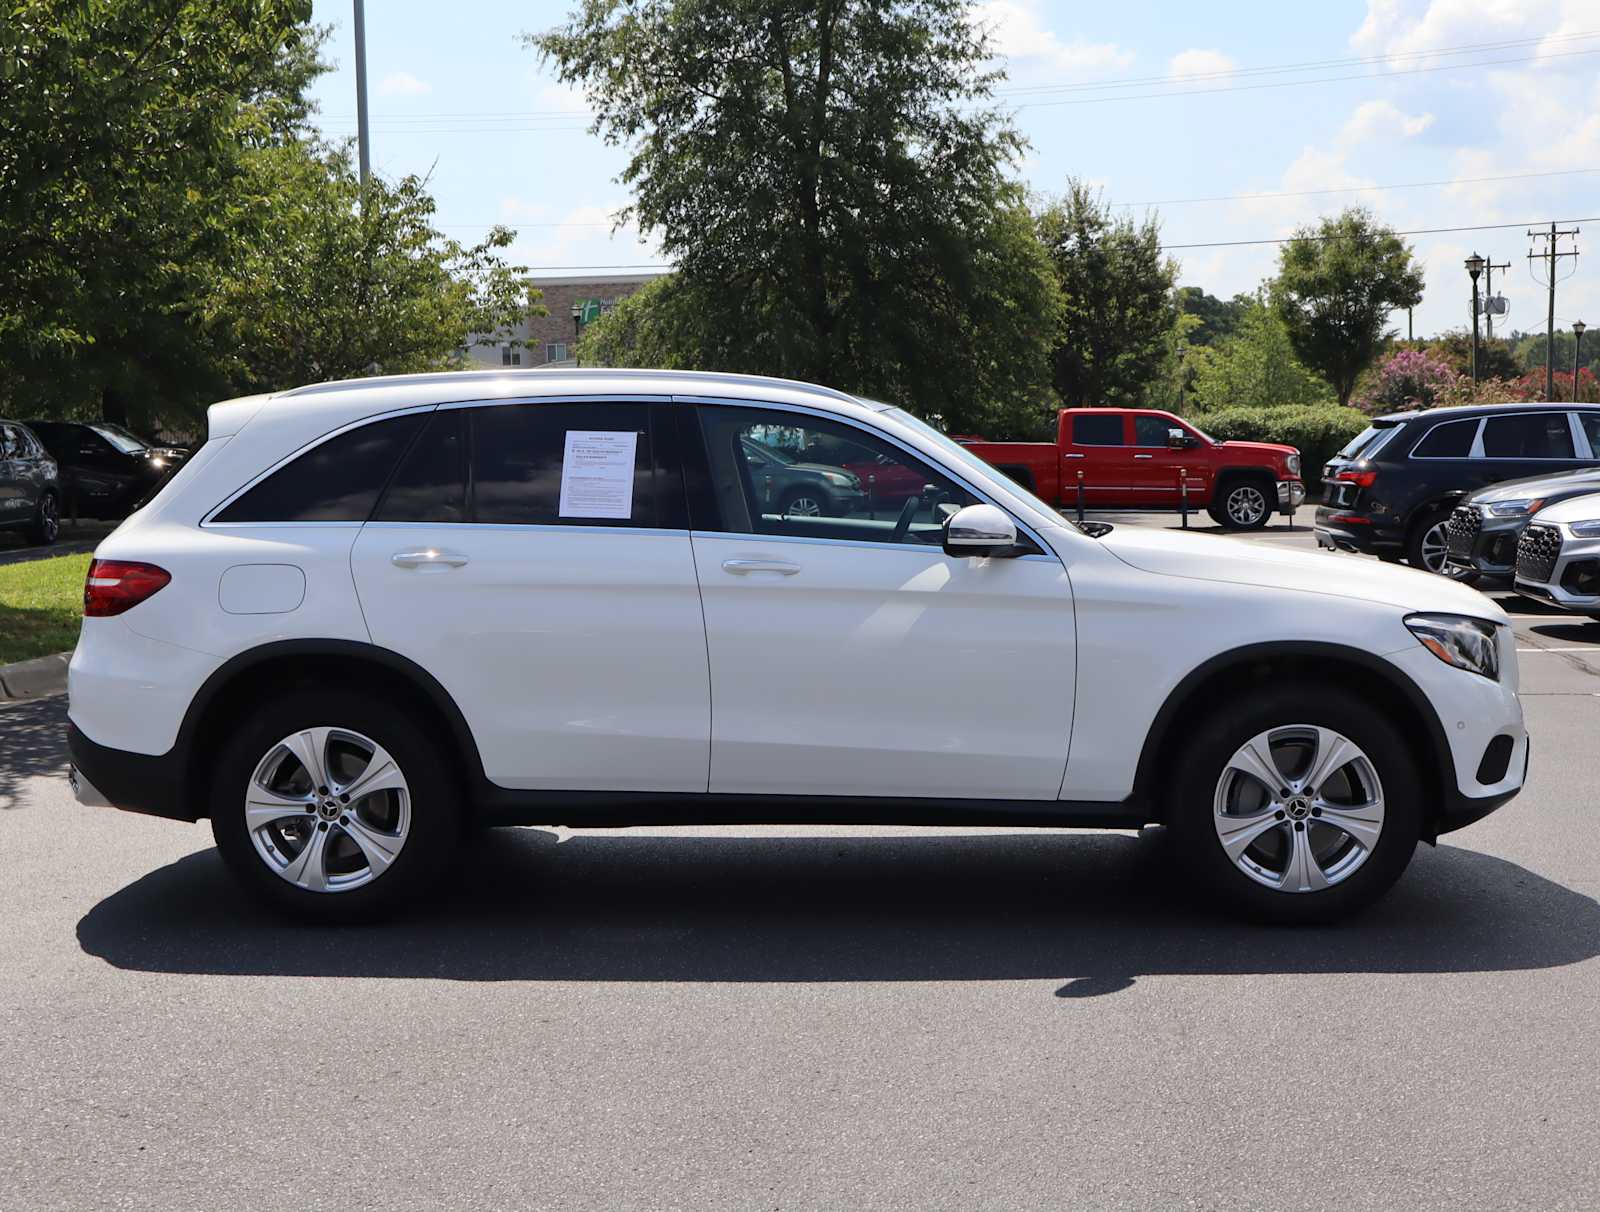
<point>1453,809</point>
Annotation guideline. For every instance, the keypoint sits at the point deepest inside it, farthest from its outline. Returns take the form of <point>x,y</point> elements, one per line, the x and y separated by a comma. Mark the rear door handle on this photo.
<point>428,558</point>
<point>1072,456</point>
<point>741,568</point>
<point>1144,456</point>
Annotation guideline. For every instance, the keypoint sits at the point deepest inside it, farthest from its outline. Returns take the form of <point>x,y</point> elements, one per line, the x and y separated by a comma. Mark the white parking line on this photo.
<point>1559,649</point>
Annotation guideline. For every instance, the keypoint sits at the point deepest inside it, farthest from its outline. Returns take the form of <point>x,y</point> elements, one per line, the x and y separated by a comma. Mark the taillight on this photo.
<point>1361,479</point>
<point>113,586</point>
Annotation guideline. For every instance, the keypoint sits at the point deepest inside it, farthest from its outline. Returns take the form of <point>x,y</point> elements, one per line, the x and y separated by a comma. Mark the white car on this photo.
<point>1558,555</point>
<point>367,615</point>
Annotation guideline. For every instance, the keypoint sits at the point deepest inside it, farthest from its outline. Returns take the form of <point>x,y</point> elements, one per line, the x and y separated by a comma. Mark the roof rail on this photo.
<point>598,372</point>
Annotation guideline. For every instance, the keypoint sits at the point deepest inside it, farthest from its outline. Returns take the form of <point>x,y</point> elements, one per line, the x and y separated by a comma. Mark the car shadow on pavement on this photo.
<point>31,735</point>
<point>1097,911</point>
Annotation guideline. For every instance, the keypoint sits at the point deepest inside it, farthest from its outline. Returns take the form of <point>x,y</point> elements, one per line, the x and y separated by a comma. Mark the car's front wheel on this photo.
<point>1296,806</point>
<point>46,524</point>
<point>334,805</point>
<point>1243,504</point>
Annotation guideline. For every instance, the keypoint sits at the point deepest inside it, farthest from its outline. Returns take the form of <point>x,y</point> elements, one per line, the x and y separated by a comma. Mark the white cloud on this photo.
<point>1382,120</point>
<point>1019,36</point>
<point>1190,63</point>
<point>403,84</point>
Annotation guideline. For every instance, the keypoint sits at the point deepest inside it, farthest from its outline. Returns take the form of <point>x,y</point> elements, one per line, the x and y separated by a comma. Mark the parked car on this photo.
<point>367,614</point>
<point>1558,555</point>
<point>1482,532</point>
<point>30,494</point>
<point>785,485</point>
<point>1391,491</point>
<point>107,469</point>
<point>1142,457</point>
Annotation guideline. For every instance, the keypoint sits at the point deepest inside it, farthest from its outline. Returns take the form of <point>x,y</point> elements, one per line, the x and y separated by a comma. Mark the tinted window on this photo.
<point>1591,427</point>
<point>787,473</point>
<point>1529,435</point>
<point>1452,440</point>
<point>520,464</point>
<point>1091,430</point>
<point>431,484</point>
<point>10,443</point>
<point>1151,431</point>
<point>336,481</point>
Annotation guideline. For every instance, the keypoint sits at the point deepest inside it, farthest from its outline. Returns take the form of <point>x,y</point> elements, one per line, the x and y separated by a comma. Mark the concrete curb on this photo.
<point>35,678</point>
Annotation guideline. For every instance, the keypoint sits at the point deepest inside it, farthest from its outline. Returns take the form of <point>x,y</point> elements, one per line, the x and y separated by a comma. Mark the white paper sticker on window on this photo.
<point>597,473</point>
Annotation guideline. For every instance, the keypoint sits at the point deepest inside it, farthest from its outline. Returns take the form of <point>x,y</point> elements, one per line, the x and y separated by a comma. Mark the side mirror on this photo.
<point>1177,439</point>
<point>979,530</point>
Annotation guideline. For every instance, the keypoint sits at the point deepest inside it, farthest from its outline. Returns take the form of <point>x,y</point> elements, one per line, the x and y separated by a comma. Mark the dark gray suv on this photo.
<point>1482,532</point>
<point>30,496</point>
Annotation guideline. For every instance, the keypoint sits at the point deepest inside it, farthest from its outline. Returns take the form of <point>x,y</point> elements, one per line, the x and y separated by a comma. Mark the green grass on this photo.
<point>41,602</point>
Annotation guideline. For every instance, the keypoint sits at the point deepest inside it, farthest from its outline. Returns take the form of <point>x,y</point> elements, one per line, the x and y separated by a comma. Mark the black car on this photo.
<point>1482,533</point>
<point>1392,490</point>
<point>30,494</point>
<point>106,470</point>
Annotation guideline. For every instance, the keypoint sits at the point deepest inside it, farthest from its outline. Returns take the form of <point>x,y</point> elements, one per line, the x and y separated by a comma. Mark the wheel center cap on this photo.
<point>328,809</point>
<point>1298,808</point>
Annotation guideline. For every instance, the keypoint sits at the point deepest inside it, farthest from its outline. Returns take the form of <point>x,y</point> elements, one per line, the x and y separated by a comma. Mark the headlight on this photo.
<point>837,480</point>
<point>1585,530</point>
<point>1512,509</point>
<point>1466,643</point>
<point>1294,464</point>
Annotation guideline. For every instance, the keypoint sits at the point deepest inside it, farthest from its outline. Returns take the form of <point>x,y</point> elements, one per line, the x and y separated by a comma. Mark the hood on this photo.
<point>1563,483</point>
<point>820,468</point>
<point>1577,509</point>
<point>1265,447</point>
<point>1236,561</point>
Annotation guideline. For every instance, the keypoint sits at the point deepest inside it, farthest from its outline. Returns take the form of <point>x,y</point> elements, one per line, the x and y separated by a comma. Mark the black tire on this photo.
<point>1416,538</point>
<point>788,501</point>
<point>46,524</point>
<point>1228,506</point>
<point>1192,798</point>
<point>434,802</point>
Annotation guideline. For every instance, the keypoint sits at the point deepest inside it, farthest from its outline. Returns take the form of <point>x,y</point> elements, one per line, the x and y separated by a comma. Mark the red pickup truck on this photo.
<point>1139,457</point>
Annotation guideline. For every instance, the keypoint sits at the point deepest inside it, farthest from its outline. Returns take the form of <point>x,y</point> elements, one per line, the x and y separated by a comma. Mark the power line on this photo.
<point>1359,189</point>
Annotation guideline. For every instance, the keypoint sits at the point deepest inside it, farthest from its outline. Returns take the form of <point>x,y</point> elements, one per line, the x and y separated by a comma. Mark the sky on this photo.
<point>1233,121</point>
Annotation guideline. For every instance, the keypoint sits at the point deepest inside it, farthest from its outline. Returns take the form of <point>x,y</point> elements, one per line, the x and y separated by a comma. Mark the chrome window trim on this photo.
<point>1582,448</point>
<point>523,527</point>
<point>1477,451</point>
<point>784,406</point>
<point>1047,556</point>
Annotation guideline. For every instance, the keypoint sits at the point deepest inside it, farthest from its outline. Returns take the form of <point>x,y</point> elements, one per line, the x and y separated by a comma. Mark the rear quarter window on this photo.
<point>1450,440</point>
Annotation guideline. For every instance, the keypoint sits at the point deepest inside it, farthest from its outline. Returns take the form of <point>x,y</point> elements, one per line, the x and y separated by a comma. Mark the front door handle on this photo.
<point>1144,456</point>
<point>741,568</point>
<point>1072,456</point>
<point>428,558</point>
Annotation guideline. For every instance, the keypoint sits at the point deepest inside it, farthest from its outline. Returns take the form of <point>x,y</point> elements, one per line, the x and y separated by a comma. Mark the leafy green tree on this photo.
<point>121,123</point>
<point>1337,284</point>
<point>1215,318</point>
<point>830,179</point>
<point>1256,367</point>
<point>1116,294</point>
<point>327,281</point>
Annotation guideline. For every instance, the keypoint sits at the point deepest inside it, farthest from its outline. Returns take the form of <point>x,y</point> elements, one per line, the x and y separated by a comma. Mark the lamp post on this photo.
<point>1474,268</point>
<point>577,329</point>
<point>1577,346</point>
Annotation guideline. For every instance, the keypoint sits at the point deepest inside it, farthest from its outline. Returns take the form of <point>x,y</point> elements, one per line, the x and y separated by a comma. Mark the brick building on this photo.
<point>548,340</point>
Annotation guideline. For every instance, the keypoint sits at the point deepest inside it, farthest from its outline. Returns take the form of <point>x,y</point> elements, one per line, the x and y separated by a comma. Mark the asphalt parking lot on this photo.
<point>807,1018</point>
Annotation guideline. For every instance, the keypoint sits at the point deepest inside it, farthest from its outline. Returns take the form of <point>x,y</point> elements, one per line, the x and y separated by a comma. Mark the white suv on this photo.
<point>368,615</point>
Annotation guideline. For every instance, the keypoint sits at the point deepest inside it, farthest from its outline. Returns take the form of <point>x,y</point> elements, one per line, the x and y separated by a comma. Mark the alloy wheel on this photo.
<point>1247,505</point>
<point>803,507</point>
<point>1299,808</point>
<point>1435,547</point>
<point>328,809</point>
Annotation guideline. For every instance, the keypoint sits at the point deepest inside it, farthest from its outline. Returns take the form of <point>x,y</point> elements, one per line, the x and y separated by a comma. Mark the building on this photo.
<point>548,340</point>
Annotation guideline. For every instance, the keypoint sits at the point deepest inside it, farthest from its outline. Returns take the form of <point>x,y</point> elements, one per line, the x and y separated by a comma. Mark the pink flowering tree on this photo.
<point>1407,378</point>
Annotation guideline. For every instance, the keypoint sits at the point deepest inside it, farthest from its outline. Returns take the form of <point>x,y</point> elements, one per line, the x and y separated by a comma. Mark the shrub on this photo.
<point>1317,430</point>
<point>1407,378</point>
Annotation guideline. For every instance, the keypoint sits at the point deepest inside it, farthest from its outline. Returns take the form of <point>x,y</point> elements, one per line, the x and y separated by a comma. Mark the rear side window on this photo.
<point>1532,435</point>
<point>1452,440</point>
<point>571,464</point>
<point>335,481</point>
<point>1090,430</point>
<point>431,484</point>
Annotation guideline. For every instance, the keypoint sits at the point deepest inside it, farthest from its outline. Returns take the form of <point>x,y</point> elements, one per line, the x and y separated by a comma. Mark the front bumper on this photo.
<point>1573,579</point>
<point>1482,544</point>
<point>1290,494</point>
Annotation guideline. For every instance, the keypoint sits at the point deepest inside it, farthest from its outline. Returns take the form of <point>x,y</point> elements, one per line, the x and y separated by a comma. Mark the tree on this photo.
<point>1337,283</point>
<point>1215,318</point>
<point>830,179</point>
<point>1407,378</point>
<point>1256,367</point>
<point>121,123</point>
<point>1116,294</point>
<point>325,282</point>
<point>1496,359</point>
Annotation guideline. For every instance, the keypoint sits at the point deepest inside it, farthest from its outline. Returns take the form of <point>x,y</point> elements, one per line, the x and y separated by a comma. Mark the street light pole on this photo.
<point>1474,268</point>
<point>1577,345</point>
<point>362,137</point>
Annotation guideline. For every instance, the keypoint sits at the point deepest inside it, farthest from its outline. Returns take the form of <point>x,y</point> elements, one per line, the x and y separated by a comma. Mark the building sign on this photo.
<point>588,310</point>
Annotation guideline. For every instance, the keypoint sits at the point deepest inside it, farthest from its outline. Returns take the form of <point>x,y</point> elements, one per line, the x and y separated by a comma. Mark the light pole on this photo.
<point>1577,346</point>
<point>577,329</point>
<point>362,137</point>
<point>1474,268</point>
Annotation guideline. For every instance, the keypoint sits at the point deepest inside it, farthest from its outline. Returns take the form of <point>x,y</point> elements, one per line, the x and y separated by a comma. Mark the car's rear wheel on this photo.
<point>335,806</point>
<point>1428,543</point>
<point>1296,807</point>
<point>1242,504</point>
<point>803,503</point>
<point>46,524</point>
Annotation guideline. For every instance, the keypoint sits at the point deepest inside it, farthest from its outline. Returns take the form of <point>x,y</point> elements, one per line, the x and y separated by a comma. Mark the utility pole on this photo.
<point>1488,293</point>
<point>1551,254</point>
<point>361,96</point>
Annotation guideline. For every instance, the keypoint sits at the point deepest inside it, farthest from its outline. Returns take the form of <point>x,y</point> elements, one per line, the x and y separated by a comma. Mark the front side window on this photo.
<point>1152,431</point>
<point>335,481</point>
<point>1452,440</point>
<point>786,473</point>
<point>1591,429</point>
<point>1528,435</point>
<point>1089,429</point>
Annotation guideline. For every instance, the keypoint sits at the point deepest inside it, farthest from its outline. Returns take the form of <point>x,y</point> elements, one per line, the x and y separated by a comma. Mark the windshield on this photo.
<point>120,438</point>
<point>963,457</point>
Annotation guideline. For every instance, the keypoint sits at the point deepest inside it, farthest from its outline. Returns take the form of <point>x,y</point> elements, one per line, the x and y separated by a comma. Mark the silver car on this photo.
<point>1558,555</point>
